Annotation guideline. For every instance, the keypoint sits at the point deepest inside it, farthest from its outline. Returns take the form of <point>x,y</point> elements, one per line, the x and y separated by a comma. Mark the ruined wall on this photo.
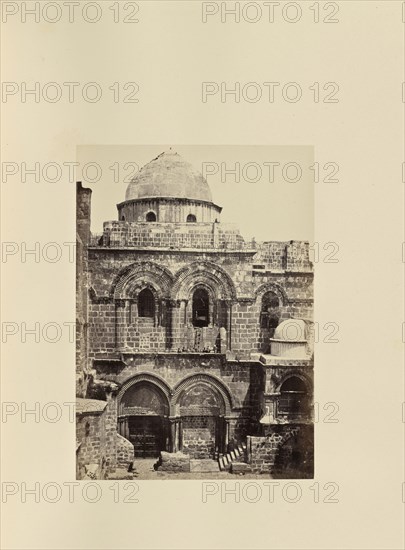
<point>286,452</point>
<point>110,426</point>
<point>83,208</point>
<point>125,452</point>
<point>101,450</point>
<point>91,437</point>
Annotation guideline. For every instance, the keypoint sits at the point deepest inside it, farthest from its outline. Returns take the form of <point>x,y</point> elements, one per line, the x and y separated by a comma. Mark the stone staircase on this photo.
<point>237,455</point>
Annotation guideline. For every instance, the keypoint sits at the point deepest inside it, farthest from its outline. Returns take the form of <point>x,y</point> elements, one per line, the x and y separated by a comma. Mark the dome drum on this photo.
<point>168,210</point>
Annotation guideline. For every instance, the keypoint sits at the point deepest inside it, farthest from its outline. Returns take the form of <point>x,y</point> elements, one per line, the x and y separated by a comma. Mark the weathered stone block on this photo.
<point>174,462</point>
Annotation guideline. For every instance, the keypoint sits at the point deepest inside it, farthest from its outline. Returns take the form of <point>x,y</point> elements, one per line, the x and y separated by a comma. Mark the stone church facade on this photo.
<point>192,343</point>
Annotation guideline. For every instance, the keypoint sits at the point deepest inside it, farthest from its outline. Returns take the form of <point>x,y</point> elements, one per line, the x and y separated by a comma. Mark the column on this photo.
<point>211,320</point>
<point>179,435</point>
<point>185,312</point>
<point>123,426</point>
<point>229,324</point>
<point>126,427</point>
<point>167,323</point>
<point>172,435</point>
<point>182,336</point>
<point>176,434</point>
<point>226,435</point>
<point>175,324</point>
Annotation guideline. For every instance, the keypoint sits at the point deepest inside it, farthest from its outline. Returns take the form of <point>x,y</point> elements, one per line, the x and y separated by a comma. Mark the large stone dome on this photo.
<point>168,176</point>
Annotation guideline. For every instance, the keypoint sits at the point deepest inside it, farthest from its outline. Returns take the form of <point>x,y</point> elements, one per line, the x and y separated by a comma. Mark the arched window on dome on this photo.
<point>191,218</point>
<point>146,303</point>
<point>201,306</point>
<point>270,311</point>
<point>294,398</point>
<point>150,217</point>
<point>122,218</point>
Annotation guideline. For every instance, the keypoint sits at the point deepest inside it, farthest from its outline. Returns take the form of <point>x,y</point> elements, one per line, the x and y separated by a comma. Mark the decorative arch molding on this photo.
<point>277,289</point>
<point>153,379</point>
<point>132,279</point>
<point>295,374</point>
<point>208,379</point>
<point>204,281</point>
<point>203,273</point>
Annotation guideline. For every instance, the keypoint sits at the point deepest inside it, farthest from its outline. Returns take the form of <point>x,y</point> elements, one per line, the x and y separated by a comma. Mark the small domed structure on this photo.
<point>291,330</point>
<point>168,189</point>
<point>290,339</point>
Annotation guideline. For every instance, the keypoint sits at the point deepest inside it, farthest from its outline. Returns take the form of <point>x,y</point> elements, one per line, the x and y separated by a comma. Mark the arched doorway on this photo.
<point>201,410</point>
<point>143,419</point>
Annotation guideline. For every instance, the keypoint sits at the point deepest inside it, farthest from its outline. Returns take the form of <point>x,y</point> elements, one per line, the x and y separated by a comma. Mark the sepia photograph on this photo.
<point>195,345</point>
<point>202,275</point>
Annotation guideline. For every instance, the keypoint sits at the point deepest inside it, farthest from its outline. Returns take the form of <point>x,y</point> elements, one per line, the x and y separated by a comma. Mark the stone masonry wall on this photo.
<point>286,452</point>
<point>171,235</point>
<point>96,434</point>
<point>125,452</point>
<point>90,433</point>
<point>199,436</point>
<point>83,205</point>
<point>110,426</point>
<point>110,321</point>
<point>173,368</point>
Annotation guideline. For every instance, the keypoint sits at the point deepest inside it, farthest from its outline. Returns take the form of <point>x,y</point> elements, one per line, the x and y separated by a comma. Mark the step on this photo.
<point>238,454</point>
<point>203,465</point>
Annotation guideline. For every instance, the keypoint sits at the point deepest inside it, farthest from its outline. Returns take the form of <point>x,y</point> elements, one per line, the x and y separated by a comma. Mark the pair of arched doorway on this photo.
<point>191,419</point>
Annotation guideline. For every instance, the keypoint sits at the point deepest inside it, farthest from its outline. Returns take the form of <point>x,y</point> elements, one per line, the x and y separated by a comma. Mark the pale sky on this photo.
<point>264,203</point>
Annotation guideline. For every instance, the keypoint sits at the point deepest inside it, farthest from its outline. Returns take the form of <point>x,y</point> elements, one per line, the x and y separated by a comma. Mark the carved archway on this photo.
<point>277,289</point>
<point>143,377</point>
<point>201,404</point>
<point>209,380</point>
<point>138,275</point>
<point>143,414</point>
<point>206,273</point>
